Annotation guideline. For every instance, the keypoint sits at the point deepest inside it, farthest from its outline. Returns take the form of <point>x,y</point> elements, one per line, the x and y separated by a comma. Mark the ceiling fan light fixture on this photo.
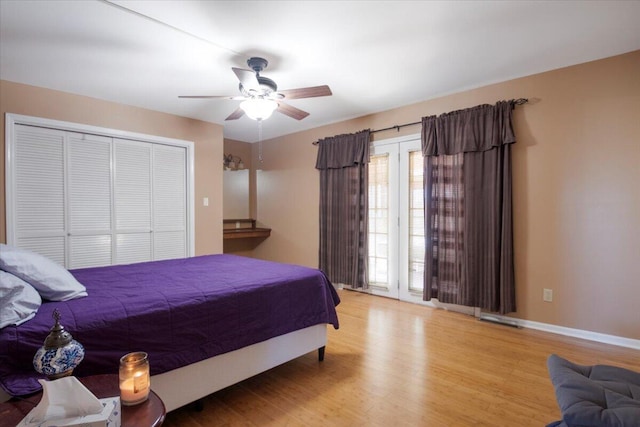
<point>259,108</point>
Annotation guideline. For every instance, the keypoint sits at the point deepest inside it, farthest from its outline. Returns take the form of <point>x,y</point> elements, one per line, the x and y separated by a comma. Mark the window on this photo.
<point>416,222</point>
<point>379,220</point>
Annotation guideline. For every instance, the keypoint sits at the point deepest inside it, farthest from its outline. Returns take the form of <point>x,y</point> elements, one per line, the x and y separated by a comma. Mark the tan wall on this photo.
<point>207,137</point>
<point>240,149</point>
<point>243,150</point>
<point>576,171</point>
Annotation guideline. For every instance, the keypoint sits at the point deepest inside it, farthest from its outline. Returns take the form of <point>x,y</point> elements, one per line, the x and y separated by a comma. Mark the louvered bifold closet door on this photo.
<point>39,208</point>
<point>90,200</point>
<point>169,202</point>
<point>133,206</point>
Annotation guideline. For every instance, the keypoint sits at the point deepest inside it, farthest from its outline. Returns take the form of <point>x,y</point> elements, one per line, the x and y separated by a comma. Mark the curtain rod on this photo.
<point>518,101</point>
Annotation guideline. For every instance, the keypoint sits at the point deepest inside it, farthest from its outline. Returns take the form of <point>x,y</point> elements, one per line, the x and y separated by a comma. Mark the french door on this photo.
<point>396,219</point>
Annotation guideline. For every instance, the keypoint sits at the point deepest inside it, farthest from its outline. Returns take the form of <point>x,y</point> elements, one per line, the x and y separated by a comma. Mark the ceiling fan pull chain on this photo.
<point>260,140</point>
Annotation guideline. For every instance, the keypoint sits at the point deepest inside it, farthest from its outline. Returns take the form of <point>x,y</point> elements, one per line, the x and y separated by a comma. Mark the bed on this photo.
<point>206,322</point>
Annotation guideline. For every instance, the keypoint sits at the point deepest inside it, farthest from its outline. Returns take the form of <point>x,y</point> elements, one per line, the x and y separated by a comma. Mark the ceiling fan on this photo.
<point>261,97</point>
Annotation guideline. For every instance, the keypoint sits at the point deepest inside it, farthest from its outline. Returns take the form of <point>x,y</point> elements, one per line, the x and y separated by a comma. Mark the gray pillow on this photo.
<point>51,280</point>
<point>594,396</point>
<point>19,302</point>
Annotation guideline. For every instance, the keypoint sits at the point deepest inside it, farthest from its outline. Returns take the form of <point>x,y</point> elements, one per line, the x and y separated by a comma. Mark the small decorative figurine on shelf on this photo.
<point>232,162</point>
<point>60,353</point>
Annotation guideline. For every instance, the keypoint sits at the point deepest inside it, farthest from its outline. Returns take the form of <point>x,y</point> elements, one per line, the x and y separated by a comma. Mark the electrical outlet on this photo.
<point>205,201</point>
<point>547,295</point>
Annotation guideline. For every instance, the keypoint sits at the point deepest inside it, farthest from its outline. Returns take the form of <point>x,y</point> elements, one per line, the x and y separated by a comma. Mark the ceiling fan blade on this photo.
<point>247,78</point>
<point>306,92</point>
<point>236,114</point>
<point>292,112</point>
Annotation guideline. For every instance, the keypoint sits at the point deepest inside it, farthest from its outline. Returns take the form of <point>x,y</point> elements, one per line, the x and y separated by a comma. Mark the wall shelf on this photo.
<point>244,229</point>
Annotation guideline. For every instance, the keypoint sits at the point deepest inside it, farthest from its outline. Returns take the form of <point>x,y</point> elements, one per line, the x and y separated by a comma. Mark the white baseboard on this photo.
<point>522,323</point>
<point>571,332</point>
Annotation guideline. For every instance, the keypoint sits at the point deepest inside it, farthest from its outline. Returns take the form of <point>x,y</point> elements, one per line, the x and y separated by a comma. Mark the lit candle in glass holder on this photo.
<point>134,378</point>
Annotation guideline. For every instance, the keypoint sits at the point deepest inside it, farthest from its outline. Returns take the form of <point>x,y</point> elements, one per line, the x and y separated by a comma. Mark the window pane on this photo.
<point>416,221</point>
<point>378,220</point>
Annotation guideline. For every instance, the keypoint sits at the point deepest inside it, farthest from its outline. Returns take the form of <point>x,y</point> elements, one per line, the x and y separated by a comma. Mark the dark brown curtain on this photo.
<point>468,214</point>
<point>343,163</point>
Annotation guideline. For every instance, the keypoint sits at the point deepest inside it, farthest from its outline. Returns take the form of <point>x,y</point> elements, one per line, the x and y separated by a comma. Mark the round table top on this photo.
<point>150,413</point>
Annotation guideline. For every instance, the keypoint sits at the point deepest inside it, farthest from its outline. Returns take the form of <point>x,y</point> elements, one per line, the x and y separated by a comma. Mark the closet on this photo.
<point>87,199</point>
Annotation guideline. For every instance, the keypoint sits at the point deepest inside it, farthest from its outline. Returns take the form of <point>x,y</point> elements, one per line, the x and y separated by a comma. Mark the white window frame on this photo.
<point>11,120</point>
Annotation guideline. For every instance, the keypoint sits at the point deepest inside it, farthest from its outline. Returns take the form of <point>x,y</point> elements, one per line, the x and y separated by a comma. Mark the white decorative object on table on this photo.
<point>67,402</point>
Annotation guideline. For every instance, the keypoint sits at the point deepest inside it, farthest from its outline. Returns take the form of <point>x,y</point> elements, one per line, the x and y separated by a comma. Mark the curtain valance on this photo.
<point>473,129</point>
<point>342,151</point>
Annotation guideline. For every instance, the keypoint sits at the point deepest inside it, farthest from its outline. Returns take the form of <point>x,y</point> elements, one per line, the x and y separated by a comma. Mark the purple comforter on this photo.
<point>178,311</point>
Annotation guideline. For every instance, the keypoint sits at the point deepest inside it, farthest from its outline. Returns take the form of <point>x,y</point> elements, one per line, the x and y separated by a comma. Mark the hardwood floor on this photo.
<point>399,364</point>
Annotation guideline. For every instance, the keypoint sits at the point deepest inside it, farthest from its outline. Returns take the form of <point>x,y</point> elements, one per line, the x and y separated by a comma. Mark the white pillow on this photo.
<point>51,280</point>
<point>19,302</point>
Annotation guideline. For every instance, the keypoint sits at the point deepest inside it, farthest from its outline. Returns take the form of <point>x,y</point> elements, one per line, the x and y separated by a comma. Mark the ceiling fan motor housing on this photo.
<point>257,64</point>
<point>267,85</point>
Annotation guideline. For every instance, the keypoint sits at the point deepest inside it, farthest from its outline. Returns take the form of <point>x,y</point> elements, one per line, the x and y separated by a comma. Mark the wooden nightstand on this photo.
<point>148,414</point>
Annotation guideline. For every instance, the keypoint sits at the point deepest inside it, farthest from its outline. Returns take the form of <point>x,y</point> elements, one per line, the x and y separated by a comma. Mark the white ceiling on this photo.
<point>375,55</point>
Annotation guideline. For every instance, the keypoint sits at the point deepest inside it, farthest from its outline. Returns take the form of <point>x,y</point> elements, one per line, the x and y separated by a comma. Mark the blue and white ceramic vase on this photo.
<point>60,353</point>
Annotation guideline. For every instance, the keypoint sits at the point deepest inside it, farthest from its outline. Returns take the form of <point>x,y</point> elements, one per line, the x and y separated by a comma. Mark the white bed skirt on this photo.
<point>192,382</point>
